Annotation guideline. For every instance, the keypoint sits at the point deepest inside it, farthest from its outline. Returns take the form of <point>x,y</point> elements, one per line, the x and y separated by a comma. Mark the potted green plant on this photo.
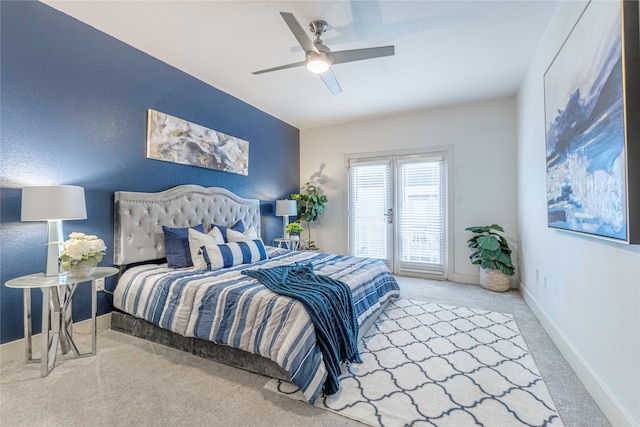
<point>293,231</point>
<point>492,253</point>
<point>310,206</point>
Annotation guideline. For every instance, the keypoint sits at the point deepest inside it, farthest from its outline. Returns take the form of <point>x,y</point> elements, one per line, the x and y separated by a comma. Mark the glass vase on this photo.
<point>82,269</point>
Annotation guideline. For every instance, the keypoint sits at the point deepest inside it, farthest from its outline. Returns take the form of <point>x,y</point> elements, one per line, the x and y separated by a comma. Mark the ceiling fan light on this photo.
<point>318,64</point>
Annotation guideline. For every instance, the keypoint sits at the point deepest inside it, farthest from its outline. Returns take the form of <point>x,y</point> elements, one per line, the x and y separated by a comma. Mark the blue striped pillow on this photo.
<point>233,253</point>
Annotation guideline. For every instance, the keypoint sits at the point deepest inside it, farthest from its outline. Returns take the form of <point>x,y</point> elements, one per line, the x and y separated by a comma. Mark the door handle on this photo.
<point>389,216</point>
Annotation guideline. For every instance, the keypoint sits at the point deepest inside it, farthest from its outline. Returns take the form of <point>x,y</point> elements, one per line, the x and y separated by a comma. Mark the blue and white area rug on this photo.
<point>427,364</point>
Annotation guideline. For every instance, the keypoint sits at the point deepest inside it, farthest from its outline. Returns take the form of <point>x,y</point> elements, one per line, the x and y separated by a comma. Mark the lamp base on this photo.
<point>54,233</point>
<point>285,222</point>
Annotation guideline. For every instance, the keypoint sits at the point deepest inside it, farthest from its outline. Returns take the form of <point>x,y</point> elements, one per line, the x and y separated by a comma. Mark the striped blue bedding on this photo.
<point>227,307</point>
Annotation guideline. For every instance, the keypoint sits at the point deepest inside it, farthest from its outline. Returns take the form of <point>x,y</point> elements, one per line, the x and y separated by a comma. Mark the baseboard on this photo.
<point>474,279</point>
<point>471,279</point>
<point>15,349</point>
<point>603,397</point>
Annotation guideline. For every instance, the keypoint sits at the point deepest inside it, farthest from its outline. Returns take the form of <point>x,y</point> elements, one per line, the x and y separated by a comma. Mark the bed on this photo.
<point>223,314</point>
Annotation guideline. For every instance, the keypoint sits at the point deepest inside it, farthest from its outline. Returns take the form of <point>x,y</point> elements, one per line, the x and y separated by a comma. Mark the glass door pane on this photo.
<point>420,224</point>
<point>370,210</point>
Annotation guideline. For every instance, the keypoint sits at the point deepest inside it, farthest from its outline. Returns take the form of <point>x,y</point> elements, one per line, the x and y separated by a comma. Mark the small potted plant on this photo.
<point>491,252</point>
<point>293,231</point>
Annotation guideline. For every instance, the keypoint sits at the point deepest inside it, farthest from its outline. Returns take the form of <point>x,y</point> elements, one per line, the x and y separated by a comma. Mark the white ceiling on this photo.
<point>446,51</point>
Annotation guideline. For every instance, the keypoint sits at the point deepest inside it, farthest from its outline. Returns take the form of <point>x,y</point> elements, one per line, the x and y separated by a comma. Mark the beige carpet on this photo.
<point>431,364</point>
<point>133,382</point>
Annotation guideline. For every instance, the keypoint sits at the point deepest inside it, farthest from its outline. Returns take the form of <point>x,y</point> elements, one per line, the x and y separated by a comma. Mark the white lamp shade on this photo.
<point>53,202</point>
<point>286,207</point>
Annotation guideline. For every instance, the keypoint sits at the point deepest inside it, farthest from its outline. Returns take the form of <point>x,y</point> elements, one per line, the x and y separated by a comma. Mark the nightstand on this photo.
<point>57,294</point>
<point>294,245</point>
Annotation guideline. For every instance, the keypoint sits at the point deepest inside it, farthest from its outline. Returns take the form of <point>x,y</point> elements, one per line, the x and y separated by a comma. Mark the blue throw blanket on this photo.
<point>329,304</point>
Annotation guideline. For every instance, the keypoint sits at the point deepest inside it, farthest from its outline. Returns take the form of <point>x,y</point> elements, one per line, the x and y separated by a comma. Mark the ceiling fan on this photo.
<point>319,58</point>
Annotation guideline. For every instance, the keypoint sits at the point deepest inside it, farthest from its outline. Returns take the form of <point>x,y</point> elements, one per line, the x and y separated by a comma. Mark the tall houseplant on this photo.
<point>492,253</point>
<point>310,206</point>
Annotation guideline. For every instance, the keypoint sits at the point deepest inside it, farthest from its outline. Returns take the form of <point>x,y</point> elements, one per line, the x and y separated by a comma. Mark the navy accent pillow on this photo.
<point>176,243</point>
<point>238,226</point>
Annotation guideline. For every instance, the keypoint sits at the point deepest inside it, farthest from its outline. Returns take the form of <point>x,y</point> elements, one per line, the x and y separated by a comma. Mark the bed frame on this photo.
<point>138,238</point>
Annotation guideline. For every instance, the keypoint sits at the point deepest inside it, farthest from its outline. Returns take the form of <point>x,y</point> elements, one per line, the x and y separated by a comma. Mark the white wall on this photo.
<point>483,138</point>
<point>590,303</point>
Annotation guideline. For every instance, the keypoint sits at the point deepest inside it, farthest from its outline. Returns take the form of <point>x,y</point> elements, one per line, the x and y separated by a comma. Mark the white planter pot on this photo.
<point>494,280</point>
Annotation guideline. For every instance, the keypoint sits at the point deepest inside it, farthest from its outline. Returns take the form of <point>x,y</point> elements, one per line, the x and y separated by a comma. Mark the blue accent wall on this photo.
<point>73,111</point>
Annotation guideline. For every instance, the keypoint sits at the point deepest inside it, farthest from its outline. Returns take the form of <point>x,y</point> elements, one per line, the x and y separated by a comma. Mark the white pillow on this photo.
<point>236,236</point>
<point>198,240</point>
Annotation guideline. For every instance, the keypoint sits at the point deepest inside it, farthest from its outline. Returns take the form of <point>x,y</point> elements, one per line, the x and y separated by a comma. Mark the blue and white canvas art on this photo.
<point>585,128</point>
<point>176,140</point>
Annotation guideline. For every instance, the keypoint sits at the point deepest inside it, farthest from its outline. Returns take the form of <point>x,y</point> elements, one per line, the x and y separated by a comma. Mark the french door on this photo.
<point>397,212</point>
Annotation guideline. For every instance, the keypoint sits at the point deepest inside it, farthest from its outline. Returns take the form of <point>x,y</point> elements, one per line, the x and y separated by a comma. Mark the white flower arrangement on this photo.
<point>81,248</point>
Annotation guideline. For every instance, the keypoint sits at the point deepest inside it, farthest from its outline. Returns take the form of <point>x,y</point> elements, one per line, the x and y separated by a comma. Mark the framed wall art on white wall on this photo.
<point>592,123</point>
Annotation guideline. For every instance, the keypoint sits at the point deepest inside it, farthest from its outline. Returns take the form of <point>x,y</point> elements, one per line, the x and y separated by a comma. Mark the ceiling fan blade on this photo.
<point>298,32</point>
<point>330,80</point>
<point>281,67</point>
<point>343,56</point>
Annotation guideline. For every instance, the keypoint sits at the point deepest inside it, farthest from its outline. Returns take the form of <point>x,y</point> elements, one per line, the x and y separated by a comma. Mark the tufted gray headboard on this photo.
<point>139,217</point>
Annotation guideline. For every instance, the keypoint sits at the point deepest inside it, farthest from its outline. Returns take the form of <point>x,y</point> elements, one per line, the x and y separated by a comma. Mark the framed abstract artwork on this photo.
<point>592,125</point>
<point>176,140</point>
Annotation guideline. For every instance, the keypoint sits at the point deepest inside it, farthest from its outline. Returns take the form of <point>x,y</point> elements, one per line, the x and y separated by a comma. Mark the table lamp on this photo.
<point>286,208</point>
<point>53,203</point>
